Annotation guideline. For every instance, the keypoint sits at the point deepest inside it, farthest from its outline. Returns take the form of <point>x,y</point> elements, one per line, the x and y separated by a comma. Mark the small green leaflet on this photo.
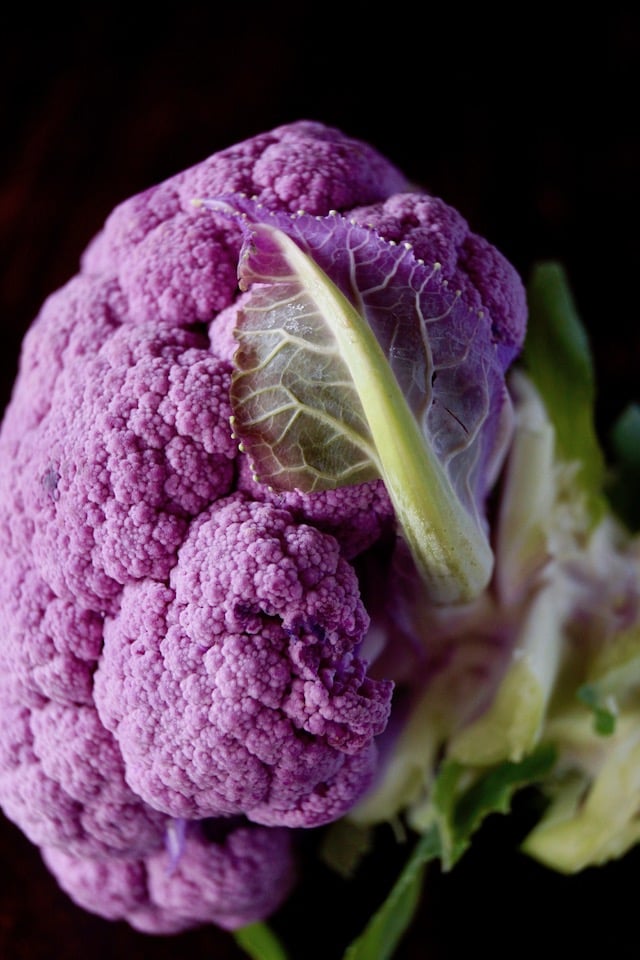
<point>604,721</point>
<point>558,359</point>
<point>259,942</point>
<point>462,798</point>
<point>614,683</point>
<point>493,791</point>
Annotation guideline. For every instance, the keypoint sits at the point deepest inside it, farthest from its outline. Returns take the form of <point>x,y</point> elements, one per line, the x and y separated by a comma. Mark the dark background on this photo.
<point>527,122</point>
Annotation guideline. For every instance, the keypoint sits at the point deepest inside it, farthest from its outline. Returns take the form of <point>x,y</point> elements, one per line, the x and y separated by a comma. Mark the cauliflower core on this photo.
<point>181,679</point>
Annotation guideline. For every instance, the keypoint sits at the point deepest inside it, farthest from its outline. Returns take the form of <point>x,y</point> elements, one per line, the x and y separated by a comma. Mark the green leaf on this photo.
<point>444,796</point>
<point>493,791</point>
<point>259,942</point>
<point>463,798</point>
<point>613,680</point>
<point>558,359</point>
<point>317,405</point>
<point>604,720</point>
<point>388,925</point>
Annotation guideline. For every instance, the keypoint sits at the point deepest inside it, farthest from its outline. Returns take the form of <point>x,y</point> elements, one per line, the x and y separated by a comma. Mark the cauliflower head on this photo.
<point>184,681</point>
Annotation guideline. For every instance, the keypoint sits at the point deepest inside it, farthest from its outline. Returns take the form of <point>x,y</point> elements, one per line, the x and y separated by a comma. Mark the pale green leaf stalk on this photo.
<point>558,359</point>
<point>449,547</point>
<point>536,530</point>
<point>513,724</point>
<point>409,771</point>
<point>551,507</point>
<point>554,535</point>
<point>528,496</point>
<point>595,816</point>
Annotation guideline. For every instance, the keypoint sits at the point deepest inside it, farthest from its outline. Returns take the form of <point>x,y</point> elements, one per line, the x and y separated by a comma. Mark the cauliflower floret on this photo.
<point>471,265</point>
<point>301,165</point>
<point>238,688</point>
<point>61,772</point>
<point>233,880</point>
<point>356,516</point>
<point>136,442</point>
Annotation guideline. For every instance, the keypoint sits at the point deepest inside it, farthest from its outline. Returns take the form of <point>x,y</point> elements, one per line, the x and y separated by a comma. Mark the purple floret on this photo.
<point>232,882</point>
<point>356,516</point>
<point>135,444</point>
<point>61,772</point>
<point>297,166</point>
<point>439,234</point>
<point>178,644</point>
<point>238,688</point>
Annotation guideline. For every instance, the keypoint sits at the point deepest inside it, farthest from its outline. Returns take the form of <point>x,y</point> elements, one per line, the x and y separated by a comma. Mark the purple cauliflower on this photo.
<point>183,669</point>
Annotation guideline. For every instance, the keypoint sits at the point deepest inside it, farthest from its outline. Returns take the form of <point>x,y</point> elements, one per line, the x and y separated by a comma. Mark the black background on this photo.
<point>527,122</point>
